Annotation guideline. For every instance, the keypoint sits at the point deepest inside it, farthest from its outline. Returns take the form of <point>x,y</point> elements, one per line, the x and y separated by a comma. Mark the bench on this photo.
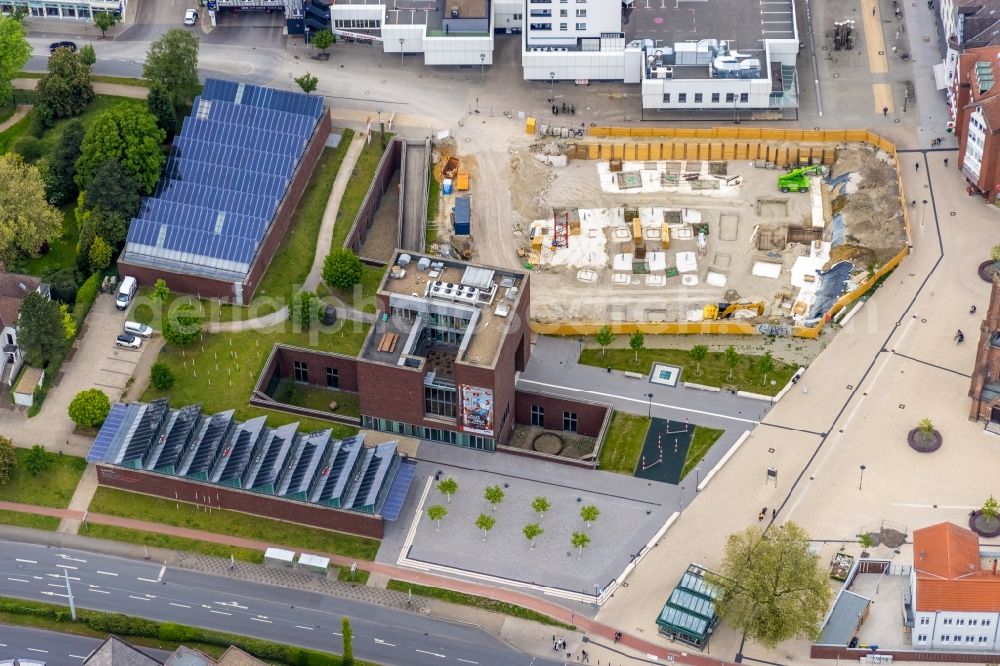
<point>387,343</point>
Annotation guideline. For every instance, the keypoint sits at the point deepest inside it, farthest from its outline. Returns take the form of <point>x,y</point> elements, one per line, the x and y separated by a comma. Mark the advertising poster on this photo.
<point>477,410</point>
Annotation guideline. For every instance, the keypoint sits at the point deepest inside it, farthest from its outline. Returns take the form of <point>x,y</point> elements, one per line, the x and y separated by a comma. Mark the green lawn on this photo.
<point>433,200</point>
<point>359,577</point>
<point>362,295</point>
<point>220,372</point>
<point>702,441</point>
<point>623,443</point>
<point>96,78</point>
<point>484,603</point>
<point>13,133</point>
<point>61,254</point>
<point>18,519</point>
<point>142,507</point>
<point>357,187</point>
<point>317,397</point>
<point>7,111</point>
<point>53,488</point>
<point>147,311</point>
<point>292,261</point>
<point>714,371</point>
<point>156,540</point>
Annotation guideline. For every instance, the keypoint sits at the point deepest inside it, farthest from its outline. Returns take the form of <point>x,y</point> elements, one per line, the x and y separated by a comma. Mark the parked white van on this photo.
<point>126,290</point>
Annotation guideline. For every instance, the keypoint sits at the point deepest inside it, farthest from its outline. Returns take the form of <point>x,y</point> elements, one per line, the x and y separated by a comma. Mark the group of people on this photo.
<point>959,336</point>
<point>763,514</point>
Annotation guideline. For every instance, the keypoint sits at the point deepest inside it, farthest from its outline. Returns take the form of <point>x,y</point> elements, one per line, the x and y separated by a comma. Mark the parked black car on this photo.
<point>55,46</point>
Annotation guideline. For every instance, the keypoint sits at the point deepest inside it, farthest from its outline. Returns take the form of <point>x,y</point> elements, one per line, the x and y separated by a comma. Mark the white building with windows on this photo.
<point>81,10</point>
<point>13,288</point>
<point>955,591</point>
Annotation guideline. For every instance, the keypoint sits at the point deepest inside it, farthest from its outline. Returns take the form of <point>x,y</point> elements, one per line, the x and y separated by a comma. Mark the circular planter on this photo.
<point>987,270</point>
<point>548,442</point>
<point>979,525</point>
<point>924,442</point>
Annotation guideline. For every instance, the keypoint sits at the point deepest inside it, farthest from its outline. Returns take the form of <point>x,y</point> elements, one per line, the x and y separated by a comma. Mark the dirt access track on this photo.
<point>760,240</point>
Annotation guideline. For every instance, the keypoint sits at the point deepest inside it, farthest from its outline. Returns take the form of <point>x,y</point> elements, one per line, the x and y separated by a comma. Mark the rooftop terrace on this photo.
<point>745,25</point>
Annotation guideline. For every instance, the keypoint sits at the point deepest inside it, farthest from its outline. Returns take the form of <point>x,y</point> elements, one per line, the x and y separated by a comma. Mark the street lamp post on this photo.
<point>400,51</point>
<point>482,68</point>
<point>69,594</point>
<point>923,211</point>
<point>862,479</point>
<point>650,396</point>
<point>552,82</point>
<point>697,478</point>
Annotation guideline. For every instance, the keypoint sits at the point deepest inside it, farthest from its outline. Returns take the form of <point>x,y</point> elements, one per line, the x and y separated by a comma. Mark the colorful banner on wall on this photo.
<point>477,410</point>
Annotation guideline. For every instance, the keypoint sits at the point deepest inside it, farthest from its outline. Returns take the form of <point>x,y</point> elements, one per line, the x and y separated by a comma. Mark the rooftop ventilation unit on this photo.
<point>404,259</point>
<point>423,264</point>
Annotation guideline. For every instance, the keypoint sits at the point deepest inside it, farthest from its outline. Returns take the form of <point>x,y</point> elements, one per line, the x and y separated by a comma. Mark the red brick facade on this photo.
<point>208,288</point>
<point>986,371</point>
<point>968,100</point>
<point>186,490</point>
<point>591,416</point>
<point>316,363</point>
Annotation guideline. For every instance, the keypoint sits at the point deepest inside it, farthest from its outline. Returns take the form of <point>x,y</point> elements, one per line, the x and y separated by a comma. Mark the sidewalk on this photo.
<point>593,630</point>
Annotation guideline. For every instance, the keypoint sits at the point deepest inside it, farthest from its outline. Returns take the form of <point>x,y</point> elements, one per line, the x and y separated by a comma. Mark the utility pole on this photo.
<point>69,593</point>
<point>482,68</point>
<point>400,52</point>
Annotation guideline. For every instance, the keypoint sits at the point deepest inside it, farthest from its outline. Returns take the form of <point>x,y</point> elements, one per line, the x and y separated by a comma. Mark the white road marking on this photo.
<point>299,626</point>
<point>163,570</point>
<point>132,596</point>
<point>56,585</point>
<point>915,505</point>
<point>433,654</point>
<point>54,594</point>
<point>466,661</point>
<point>18,580</point>
<point>259,619</point>
<point>377,640</point>
<point>76,656</point>
<point>99,591</point>
<point>107,573</point>
<point>26,561</point>
<point>37,650</point>
<point>337,633</point>
<point>146,580</point>
<point>644,402</point>
<point>63,577</point>
<point>219,612</point>
<point>3,645</point>
<point>179,605</point>
<point>72,559</point>
<point>67,566</point>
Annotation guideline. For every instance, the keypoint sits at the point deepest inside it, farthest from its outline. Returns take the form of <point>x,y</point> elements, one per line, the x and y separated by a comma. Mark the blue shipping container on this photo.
<point>446,186</point>
<point>461,216</point>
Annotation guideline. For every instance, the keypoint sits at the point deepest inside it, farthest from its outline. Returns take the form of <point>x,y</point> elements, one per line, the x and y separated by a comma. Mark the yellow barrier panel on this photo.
<point>629,153</point>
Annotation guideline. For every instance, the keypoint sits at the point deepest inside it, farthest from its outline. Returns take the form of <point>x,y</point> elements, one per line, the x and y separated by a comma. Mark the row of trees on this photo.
<point>487,522</point>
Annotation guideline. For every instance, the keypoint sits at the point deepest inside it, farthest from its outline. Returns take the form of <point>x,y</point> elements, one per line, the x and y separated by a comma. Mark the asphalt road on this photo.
<point>53,648</point>
<point>308,619</point>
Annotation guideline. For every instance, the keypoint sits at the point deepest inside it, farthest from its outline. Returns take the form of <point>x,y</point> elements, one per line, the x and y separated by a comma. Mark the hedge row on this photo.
<point>125,627</point>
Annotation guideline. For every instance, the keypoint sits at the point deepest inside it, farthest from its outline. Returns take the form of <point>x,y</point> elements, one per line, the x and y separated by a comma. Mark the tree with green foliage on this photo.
<point>161,104</point>
<point>19,13</point>
<point>990,511</point>
<point>105,21</point>
<point>304,308</point>
<point>61,188</point>
<point>63,285</point>
<point>531,532</point>
<point>87,55</point>
<point>127,133</point>
<point>27,220</point>
<point>38,460</point>
<point>182,326</point>
<point>14,54</point>
<point>448,487</point>
<point>604,338</point>
<point>40,332</point>
<point>347,636</point>
<point>485,522</point>
<point>732,358</point>
<point>113,189</point>
<point>579,540</point>
<point>698,354</point>
<point>307,82</point>
<point>68,323</point>
<point>342,269</point>
<point>89,408</point>
<point>540,505</point>
<point>160,292</point>
<point>323,40</point>
<point>437,512</point>
<point>161,377</point>
<point>494,495</point>
<point>925,426</point>
<point>636,342</point>
<point>995,256</point>
<point>589,514</point>
<point>771,585</point>
<point>172,63</point>
<point>97,223</point>
<point>8,460</point>
<point>66,88</point>
<point>765,365</point>
<point>99,255</point>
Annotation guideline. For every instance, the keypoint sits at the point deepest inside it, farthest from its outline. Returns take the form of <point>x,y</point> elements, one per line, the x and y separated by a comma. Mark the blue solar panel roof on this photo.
<point>398,489</point>
<point>106,436</point>
<point>230,167</point>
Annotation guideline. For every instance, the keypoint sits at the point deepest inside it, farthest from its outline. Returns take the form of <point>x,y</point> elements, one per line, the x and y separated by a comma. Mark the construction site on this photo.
<point>772,241</point>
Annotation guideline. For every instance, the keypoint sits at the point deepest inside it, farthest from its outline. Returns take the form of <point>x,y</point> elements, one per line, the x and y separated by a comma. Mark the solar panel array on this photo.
<point>231,165</point>
<point>310,467</point>
<point>393,504</point>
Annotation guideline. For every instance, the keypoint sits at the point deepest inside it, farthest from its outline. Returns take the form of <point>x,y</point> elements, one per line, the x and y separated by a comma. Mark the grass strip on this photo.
<point>359,577</point>
<point>158,635</point>
<point>96,78</point>
<point>52,488</point>
<point>114,502</point>
<point>157,540</point>
<point>33,520</point>
<point>746,375</point>
<point>623,443</point>
<point>472,600</point>
<point>357,187</point>
<point>702,441</point>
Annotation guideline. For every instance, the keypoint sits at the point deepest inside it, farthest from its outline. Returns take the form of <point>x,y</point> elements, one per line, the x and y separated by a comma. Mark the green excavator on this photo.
<point>797,180</point>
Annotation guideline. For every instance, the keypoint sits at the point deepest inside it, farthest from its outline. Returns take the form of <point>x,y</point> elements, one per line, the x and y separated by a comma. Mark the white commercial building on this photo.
<point>81,10</point>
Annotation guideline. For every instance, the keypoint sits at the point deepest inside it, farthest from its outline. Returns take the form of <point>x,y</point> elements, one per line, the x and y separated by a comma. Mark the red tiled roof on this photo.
<point>949,577</point>
<point>986,99</point>
<point>13,288</point>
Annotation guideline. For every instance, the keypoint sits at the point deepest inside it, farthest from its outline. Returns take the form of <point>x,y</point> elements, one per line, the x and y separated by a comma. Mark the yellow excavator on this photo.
<point>728,310</point>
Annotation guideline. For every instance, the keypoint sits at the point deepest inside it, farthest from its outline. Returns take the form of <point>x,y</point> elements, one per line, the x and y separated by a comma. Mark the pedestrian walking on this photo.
<point>885,111</point>
<point>873,11</point>
<point>946,161</point>
<point>774,513</point>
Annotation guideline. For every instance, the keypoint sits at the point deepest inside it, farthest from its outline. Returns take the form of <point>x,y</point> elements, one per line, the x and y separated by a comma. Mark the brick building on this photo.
<point>976,110</point>
<point>985,387</point>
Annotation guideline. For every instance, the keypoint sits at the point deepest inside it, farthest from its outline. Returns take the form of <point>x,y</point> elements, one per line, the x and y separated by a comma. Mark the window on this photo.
<point>332,378</point>
<point>925,620</point>
<point>538,416</point>
<point>947,620</point>
<point>730,98</point>
<point>439,401</point>
<point>563,13</point>
<point>969,639</point>
<point>682,98</point>
<point>581,13</point>
<point>581,26</point>
<point>960,621</point>
<point>301,371</point>
<point>563,26</point>
<point>715,98</point>
<point>744,97</point>
<point>666,98</point>
<point>973,622</point>
<point>569,421</point>
<point>986,623</point>
<point>945,638</point>
<point>922,638</point>
<point>697,98</point>
<point>982,639</point>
